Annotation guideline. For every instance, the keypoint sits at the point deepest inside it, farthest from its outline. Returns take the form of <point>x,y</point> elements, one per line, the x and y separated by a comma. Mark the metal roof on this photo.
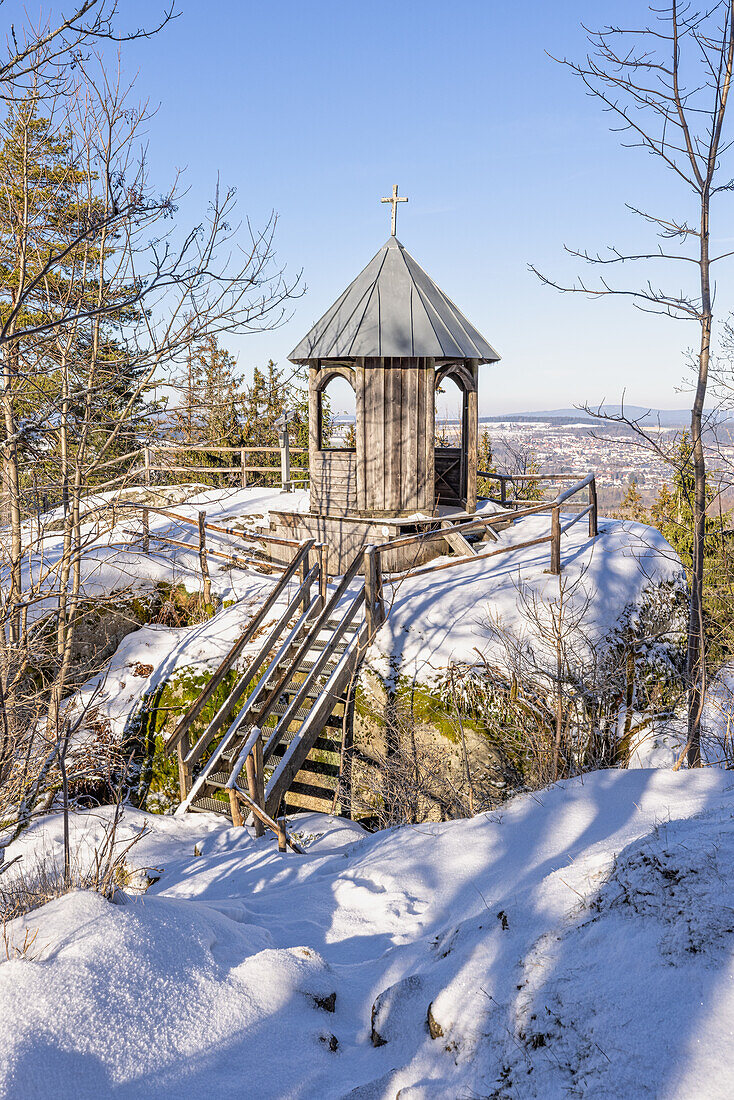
<point>393,308</point>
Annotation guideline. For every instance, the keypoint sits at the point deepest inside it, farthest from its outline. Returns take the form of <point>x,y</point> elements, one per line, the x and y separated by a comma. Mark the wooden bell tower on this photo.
<point>394,337</point>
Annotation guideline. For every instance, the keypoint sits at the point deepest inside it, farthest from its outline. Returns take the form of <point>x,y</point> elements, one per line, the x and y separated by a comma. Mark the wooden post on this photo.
<point>207,584</point>
<point>234,808</point>
<point>252,787</point>
<point>146,459</point>
<point>503,490</point>
<point>323,574</point>
<point>593,514</point>
<point>303,570</point>
<point>555,566</point>
<point>374,607</point>
<point>243,467</point>
<point>185,777</point>
<point>472,440</point>
<point>260,772</point>
<point>146,531</point>
<point>281,834</point>
<point>285,458</point>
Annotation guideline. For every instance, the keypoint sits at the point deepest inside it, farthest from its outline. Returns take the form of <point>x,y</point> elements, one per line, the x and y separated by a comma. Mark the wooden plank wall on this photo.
<point>333,482</point>
<point>395,435</point>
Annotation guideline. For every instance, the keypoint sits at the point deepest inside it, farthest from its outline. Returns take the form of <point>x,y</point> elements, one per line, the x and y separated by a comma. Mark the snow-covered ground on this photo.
<point>113,559</point>
<point>578,943</point>
<point>444,616</point>
<point>434,619</point>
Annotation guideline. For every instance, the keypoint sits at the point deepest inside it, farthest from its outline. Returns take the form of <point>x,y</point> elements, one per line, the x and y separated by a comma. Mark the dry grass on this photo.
<point>105,871</point>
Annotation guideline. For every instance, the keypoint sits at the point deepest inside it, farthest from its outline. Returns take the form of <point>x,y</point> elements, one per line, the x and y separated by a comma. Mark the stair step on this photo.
<point>328,769</point>
<point>299,802</point>
<point>210,805</point>
<point>320,645</point>
<point>308,664</point>
<point>336,621</point>
<point>312,790</point>
<point>218,779</point>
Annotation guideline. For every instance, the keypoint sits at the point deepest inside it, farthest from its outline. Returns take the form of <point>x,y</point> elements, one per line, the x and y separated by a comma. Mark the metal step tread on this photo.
<point>320,645</point>
<point>208,805</point>
<point>328,770</point>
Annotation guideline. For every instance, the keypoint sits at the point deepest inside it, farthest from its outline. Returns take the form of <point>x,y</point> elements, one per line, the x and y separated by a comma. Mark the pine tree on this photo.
<point>631,506</point>
<point>79,377</point>
<point>672,513</point>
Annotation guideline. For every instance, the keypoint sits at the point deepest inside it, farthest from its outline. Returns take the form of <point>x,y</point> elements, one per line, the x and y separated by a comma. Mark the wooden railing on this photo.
<point>242,468</point>
<point>289,664</point>
<point>478,523</point>
<point>142,463</point>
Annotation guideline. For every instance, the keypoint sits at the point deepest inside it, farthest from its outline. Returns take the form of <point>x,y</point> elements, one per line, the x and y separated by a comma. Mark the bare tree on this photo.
<point>666,87</point>
<point>58,44</point>
<point>106,293</point>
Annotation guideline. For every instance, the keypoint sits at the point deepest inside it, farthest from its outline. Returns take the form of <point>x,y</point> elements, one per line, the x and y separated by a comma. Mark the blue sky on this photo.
<point>316,109</point>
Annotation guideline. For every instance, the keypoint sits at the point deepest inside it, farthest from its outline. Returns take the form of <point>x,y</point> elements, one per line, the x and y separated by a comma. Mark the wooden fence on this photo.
<point>243,560</point>
<point>148,461</point>
<point>487,523</point>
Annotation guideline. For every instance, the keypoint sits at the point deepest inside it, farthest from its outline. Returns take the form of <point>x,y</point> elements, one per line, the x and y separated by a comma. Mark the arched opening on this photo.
<point>449,412</point>
<point>337,414</point>
<point>451,427</point>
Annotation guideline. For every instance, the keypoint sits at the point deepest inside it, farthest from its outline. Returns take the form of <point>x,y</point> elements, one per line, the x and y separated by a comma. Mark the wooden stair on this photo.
<point>286,719</point>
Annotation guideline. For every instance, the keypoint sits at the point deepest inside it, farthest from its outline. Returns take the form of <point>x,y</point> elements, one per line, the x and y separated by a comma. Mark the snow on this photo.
<point>718,719</point>
<point>447,616</point>
<point>435,619</point>
<point>576,943</point>
<point>113,560</point>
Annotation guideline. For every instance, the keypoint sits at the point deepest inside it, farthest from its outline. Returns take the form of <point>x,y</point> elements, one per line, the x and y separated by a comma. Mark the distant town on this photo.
<point>614,452</point>
<point>564,443</point>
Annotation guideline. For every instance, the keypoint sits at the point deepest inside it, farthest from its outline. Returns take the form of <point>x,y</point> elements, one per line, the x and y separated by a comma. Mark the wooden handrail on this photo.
<point>525,477</point>
<point>552,506</point>
<point>255,536</point>
<point>253,669</point>
<point>174,448</point>
<point>226,664</point>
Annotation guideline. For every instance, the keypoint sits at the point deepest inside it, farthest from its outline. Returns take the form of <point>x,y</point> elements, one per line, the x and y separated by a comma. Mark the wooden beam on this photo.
<point>472,442</point>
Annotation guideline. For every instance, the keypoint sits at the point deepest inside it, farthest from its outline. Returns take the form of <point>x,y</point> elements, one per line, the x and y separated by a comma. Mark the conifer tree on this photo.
<point>631,506</point>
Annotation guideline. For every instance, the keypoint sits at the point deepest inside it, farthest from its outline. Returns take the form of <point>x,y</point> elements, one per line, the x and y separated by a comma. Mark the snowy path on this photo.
<point>551,970</point>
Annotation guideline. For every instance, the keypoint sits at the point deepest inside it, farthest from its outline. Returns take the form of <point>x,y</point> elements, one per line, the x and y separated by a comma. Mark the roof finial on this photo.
<point>394,200</point>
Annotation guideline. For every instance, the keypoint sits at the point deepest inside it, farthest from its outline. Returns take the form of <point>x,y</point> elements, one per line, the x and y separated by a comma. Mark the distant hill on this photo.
<point>667,418</point>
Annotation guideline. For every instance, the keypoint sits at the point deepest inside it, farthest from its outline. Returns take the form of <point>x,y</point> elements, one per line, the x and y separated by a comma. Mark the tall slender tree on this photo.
<point>666,87</point>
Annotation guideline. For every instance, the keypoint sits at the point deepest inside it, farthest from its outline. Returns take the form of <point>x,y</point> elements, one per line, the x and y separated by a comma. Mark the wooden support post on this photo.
<point>555,566</point>
<point>243,467</point>
<point>146,531</point>
<point>374,606</point>
<point>185,776</point>
<point>285,458</point>
<point>323,574</point>
<point>503,489</point>
<point>252,786</point>
<point>304,568</point>
<point>207,584</point>
<point>281,834</point>
<point>593,514</point>
<point>234,808</point>
<point>146,459</point>
<point>259,772</point>
<point>472,440</point>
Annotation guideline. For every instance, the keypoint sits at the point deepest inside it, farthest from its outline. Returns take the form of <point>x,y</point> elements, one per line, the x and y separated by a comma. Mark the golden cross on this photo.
<point>394,200</point>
